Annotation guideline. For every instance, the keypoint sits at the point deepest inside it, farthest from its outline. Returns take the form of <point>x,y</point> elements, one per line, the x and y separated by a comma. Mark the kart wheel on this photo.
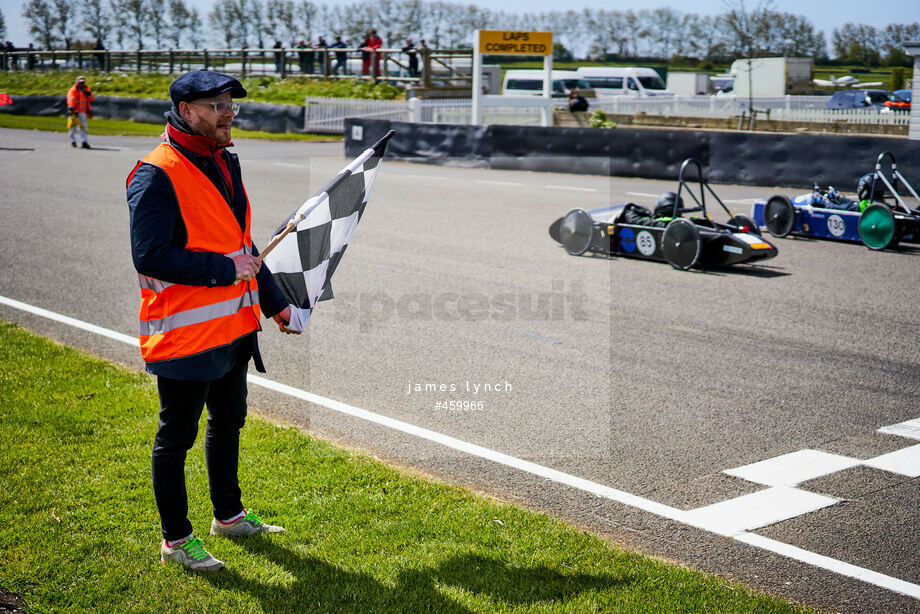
<point>743,220</point>
<point>681,244</point>
<point>779,215</point>
<point>877,226</point>
<point>575,231</point>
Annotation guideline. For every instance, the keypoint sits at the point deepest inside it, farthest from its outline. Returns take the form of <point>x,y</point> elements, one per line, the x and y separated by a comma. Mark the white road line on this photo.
<point>646,194</point>
<point>685,329</point>
<point>291,164</point>
<point>92,328</point>
<point>537,336</point>
<point>653,507</point>
<point>493,182</point>
<point>571,187</point>
<point>826,562</point>
<point>391,173</point>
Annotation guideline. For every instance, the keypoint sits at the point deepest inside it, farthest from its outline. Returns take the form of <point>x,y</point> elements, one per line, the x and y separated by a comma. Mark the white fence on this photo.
<point>327,115</point>
<point>850,116</point>
<point>785,108</point>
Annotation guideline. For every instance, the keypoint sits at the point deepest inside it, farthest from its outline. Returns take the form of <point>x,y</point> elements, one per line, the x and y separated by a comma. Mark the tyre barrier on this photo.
<point>747,158</point>
<point>253,115</point>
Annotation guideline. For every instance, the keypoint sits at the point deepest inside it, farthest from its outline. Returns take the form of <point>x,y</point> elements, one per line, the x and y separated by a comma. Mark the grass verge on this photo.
<point>79,531</point>
<point>291,90</point>
<point>114,127</point>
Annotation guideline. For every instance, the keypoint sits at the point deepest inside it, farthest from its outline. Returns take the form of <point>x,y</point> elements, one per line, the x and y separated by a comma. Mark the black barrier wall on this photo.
<point>253,115</point>
<point>797,160</point>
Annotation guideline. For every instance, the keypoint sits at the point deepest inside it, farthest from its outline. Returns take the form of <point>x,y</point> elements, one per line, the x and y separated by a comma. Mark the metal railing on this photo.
<point>434,65</point>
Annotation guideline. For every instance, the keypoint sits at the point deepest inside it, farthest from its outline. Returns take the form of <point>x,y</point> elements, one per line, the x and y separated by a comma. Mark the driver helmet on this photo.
<point>864,188</point>
<point>664,206</point>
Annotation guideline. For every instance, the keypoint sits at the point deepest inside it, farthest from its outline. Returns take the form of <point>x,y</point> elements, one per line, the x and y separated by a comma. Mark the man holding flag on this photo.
<point>202,288</point>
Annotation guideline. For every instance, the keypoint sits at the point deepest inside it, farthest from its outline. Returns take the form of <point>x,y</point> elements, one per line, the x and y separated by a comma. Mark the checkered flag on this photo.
<point>308,246</point>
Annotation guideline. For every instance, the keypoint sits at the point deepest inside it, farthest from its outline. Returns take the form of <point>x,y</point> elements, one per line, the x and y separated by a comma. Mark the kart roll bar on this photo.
<point>891,185</point>
<point>704,185</point>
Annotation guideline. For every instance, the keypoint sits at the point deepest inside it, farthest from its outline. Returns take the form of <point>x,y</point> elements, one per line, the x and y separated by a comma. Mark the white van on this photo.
<point>623,81</point>
<point>530,82</point>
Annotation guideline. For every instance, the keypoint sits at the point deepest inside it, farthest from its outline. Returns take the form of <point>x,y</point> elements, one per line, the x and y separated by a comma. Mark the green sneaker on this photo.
<point>192,555</point>
<point>250,524</point>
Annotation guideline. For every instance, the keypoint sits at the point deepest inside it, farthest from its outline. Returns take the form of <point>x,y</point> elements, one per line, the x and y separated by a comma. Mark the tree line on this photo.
<point>662,33</point>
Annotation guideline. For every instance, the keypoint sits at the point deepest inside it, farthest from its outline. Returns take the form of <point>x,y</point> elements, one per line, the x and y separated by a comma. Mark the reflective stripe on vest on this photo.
<point>151,283</point>
<point>177,320</point>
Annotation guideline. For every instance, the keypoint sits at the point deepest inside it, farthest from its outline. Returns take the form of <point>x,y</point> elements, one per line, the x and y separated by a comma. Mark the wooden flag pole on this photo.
<point>291,226</point>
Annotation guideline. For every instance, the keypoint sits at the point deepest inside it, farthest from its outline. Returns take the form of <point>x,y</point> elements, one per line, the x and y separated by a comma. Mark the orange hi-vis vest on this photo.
<point>79,101</point>
<point>177,320</point>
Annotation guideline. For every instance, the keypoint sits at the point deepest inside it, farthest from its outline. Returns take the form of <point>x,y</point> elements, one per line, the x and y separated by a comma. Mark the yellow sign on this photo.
<point>508,42</point>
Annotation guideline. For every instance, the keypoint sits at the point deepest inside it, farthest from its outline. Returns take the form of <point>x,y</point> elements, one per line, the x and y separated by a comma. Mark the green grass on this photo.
<point>260,89</point>
<point>113,127</point>
<point>79,530</point>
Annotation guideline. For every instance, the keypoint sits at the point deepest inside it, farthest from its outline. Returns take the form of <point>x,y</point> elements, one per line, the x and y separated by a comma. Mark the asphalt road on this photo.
<point>626,373</point>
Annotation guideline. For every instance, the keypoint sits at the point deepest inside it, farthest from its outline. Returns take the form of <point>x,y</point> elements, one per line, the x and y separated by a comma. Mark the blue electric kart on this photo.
<point>828,214</point>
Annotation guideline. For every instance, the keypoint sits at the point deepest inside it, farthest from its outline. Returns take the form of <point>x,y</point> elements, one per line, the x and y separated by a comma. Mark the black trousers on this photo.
<point>181,403</point>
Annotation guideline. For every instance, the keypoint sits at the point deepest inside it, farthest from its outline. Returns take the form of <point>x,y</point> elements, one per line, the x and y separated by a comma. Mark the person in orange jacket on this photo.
<point>78,108</point>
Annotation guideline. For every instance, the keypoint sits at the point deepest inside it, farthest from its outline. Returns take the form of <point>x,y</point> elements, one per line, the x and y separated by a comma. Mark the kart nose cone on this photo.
<point>576,231</point>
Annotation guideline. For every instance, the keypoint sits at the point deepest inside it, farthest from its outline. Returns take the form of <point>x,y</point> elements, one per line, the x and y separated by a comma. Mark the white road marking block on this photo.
<point>905,461</point>
<point>911,429</point>
<point>757,510</point>
<point>793,468</point>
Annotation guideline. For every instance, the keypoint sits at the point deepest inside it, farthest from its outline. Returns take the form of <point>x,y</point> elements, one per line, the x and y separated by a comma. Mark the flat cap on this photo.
<point>203,84</point>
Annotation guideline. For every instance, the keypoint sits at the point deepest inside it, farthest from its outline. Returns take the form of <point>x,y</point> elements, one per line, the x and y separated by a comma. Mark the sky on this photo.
<point>825,14</point>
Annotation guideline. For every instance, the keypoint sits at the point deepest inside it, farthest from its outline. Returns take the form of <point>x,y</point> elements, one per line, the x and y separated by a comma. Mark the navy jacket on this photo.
<point>158,238</point>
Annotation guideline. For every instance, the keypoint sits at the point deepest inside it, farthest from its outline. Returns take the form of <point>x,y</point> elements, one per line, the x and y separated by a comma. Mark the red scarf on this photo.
<point>203,146</point>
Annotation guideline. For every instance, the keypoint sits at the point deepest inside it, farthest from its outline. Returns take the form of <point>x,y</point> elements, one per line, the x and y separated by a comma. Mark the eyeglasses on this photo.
<point>222,107</point>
